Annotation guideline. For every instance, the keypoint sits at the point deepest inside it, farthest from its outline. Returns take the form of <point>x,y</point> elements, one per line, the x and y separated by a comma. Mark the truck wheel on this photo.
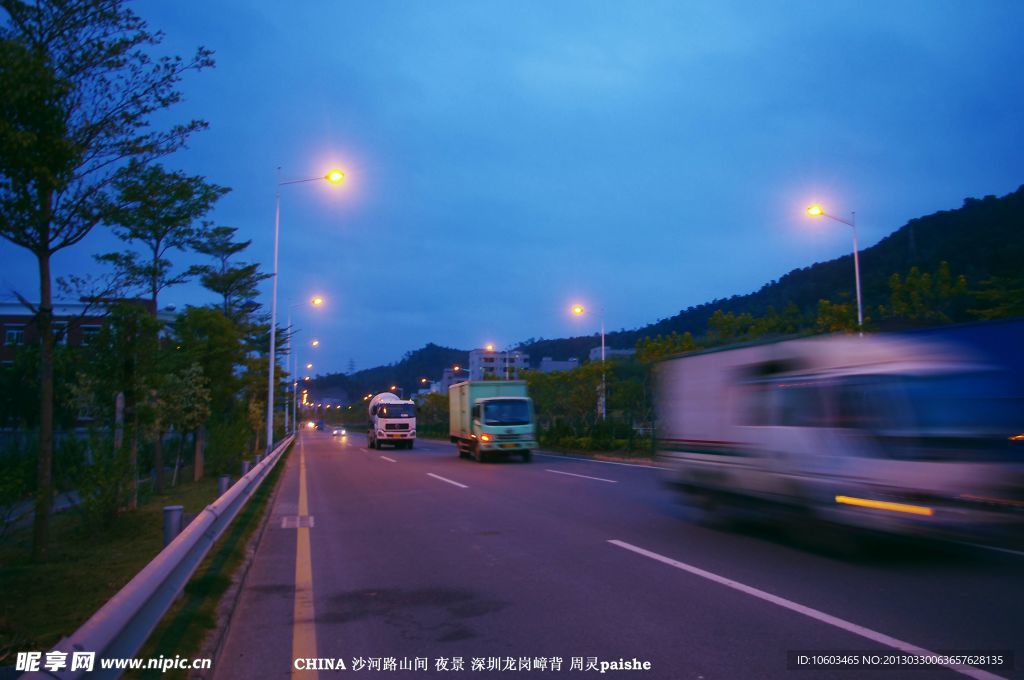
<point>527,456</point>
<point>409,444</point>
<point>477,453</point>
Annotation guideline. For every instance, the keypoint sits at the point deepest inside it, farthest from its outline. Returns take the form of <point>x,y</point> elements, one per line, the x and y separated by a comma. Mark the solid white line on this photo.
<point>1018,553</point>
<point>603,462</point>
<point>444,479</point>
<point>816,614</point>
<point>390,460</point>
<point>573,474</point>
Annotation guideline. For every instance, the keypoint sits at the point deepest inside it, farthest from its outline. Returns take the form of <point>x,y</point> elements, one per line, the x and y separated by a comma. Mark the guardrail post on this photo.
<point>223,484</point>
<point>246,465</point>
<point>259,457</point>
<point>172,522</point>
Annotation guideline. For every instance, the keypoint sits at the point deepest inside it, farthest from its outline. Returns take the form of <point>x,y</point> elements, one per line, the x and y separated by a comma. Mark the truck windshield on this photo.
<point>396,411</point>
<point>507,412</point>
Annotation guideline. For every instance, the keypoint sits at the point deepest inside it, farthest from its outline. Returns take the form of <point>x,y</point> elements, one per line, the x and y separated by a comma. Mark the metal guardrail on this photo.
<point>121,626</point>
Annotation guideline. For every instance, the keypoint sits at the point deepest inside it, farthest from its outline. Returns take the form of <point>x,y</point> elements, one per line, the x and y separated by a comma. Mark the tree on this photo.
<point>235,284</point>
<point>120,359</point>
<point>926,298</point>
<point>185,403</point>
<point>79,92</point>
<point>158,210</point>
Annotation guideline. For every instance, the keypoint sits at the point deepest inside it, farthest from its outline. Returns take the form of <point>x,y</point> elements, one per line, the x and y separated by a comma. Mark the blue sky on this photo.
<point>507,159</point>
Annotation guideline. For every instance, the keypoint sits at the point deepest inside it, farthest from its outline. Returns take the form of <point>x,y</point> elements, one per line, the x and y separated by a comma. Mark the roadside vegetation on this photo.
<point>152,405</point>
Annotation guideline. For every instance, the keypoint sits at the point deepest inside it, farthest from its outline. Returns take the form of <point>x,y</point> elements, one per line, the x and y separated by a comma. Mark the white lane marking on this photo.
<point>604,462</point>
<point>390,460</point>
<point>573,474</point>
<point>816,614</point>
<point>1018,553</point>
<point>445,479</point>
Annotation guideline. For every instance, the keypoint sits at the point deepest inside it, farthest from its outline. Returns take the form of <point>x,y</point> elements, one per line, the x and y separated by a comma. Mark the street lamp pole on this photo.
<point>604,393</point>
<point>818,211</point>
<point>579,310</point>
<point>335,177</point>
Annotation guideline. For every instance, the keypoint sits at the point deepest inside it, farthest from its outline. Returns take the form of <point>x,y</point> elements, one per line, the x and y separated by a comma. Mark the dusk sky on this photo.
<point>505,160</point>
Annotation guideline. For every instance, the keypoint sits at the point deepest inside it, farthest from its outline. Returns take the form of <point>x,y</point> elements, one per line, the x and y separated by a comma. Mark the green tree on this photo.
<point>836,317</point>
<point>79,94</point>
<point>236,285</point>
<point>157,210</point>
<point>999,297</point>
<point>926,298</point>
<point>120,360</point>
<point>659,347</point>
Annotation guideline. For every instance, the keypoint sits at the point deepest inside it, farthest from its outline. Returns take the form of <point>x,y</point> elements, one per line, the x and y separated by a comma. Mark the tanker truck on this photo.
<point>392,421</point>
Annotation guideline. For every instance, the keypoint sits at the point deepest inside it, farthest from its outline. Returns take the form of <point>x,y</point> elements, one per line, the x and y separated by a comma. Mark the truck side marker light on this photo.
<point>885,505</point>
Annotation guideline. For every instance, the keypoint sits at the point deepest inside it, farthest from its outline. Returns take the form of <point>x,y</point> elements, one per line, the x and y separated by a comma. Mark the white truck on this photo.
<point>392,421</point>
<point>886,434</point>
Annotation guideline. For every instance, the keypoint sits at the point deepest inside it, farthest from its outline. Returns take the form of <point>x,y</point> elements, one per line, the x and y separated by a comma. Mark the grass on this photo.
<point>43,602</point>
<point>185,627</point>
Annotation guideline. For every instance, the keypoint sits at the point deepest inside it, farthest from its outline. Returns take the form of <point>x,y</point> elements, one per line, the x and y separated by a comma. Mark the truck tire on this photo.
<point>527,456</point>
<point>477,453</point>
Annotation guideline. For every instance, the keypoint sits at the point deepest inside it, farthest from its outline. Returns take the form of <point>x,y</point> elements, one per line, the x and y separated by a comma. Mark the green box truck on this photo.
<point>489,417</point>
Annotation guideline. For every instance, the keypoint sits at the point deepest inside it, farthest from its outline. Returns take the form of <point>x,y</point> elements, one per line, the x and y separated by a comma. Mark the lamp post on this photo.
<point>334,177</point>
<point>580,310</point>
<point>818,211</point>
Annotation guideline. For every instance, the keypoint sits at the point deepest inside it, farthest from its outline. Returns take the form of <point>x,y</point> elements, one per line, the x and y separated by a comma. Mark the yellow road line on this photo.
<point>303,617</point>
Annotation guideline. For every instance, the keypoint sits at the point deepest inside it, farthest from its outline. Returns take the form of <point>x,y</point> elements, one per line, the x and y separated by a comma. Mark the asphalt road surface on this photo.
<point>399,557</point>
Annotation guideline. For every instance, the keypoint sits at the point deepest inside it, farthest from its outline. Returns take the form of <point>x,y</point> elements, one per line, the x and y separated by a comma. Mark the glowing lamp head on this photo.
<point>815,211</point>
<point>456,368</point>
<point>315,343</point>
<point>335,176</point>
<point>317,301</point>
<point>309,365</point>
<point>489,348</point>
<point>394,387</point>
<point>578,310</point>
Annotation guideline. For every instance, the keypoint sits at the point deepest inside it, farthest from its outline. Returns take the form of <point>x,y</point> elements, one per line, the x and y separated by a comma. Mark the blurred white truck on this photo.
<point>881,433</point>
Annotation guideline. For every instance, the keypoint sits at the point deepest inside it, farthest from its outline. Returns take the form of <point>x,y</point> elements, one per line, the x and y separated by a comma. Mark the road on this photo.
<point>420,554</point>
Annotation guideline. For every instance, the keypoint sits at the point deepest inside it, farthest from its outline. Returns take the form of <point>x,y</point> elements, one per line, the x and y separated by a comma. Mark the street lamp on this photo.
<point>580,310</point>
<point>818,211</point>
<point>315,301</point>
<point>314,343</point>
<point>334,177</point>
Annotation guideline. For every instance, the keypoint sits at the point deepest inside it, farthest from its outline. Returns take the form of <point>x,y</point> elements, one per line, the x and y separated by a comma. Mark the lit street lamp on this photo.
<point>580,310</point>
<point>818,211</point>
<point>334,177</point>
<point>316,301</point>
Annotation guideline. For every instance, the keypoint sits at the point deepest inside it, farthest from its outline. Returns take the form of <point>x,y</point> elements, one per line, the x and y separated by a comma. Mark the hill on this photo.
<point>984,238</point>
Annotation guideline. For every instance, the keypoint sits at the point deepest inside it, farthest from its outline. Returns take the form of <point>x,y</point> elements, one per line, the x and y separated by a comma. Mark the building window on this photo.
<point>14,335</point>
<point>89,334</point>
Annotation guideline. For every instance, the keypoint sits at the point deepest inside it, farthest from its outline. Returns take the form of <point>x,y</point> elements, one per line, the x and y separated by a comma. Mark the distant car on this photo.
<point>338,432</point>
